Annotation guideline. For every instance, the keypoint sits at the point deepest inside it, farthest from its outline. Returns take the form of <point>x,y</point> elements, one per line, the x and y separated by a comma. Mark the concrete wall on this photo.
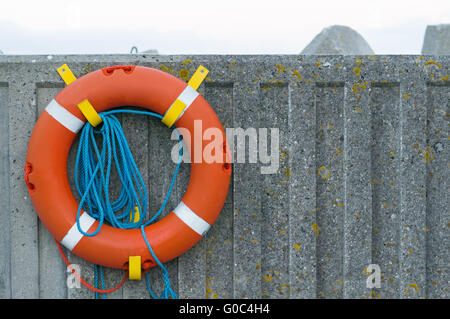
<point>363,178</point>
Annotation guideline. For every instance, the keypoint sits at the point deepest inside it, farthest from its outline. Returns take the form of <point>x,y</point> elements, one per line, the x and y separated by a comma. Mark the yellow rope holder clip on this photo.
<point>134,262</point>
<point>177,108</point>
<point>66,74</point>
<point>85,106</point>
<point>134,268</point>
<point>136,214</point>
<point>198,77</point>
<point>89,113</point>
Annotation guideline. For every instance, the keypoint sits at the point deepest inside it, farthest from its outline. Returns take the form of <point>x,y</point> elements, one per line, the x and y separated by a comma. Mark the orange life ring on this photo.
<point>46,168</point>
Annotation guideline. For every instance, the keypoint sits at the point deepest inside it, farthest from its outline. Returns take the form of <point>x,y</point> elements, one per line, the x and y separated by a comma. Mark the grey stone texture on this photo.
<point>363,178</point>
<point>437,40</point>
<point>338,40</point>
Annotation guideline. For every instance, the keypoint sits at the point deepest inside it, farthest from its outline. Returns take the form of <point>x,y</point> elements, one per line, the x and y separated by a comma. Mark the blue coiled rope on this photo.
<point>92,178</point>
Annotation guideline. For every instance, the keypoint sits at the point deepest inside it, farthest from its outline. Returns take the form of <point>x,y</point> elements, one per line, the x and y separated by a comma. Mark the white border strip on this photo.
<point>195,222</point>
<point>67,119</point>
<point>188,96</point>
<point>73,236</point>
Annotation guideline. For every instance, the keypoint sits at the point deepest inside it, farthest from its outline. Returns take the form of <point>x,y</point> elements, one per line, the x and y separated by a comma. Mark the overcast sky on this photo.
<point>210,27</point>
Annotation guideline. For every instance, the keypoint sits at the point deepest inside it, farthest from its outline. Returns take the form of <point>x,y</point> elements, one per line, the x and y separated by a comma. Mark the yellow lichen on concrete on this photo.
<point>280,68</point>
<point>428,155</point>
<point>184,74</point>
<point>268,277</point>
<point>232,65</point>
<point>316,228</point>
<point>324,172</point>
<point>209,292</point>
<point>186,62</point>
<point>412,286</point>
<point>357,86</point>
<point>283,288</point>
<point>295,73</point>
<point>433,62</point>
<point>166,69</point>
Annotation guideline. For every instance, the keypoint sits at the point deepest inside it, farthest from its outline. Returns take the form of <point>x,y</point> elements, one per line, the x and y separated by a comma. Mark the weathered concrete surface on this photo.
<point>363,178</point>
<point>338,40</point>
<point>437,40</point>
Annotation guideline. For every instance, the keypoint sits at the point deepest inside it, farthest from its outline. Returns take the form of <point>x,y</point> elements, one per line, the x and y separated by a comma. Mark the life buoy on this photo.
<point>46,167</point>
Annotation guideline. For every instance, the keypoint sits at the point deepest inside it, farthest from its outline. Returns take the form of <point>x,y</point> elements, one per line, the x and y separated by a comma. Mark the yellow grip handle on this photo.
<point>89,113</point>
<point>134,267</point>
<point>66,74</point>
<point>177,107</point>
<point>198,77</point>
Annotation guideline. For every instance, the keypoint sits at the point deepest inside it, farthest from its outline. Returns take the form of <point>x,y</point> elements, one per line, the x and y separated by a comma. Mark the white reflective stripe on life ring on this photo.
<point>187,97</point>
<point>195,222</point>
<point>73,236</point>
<point>67,119</point>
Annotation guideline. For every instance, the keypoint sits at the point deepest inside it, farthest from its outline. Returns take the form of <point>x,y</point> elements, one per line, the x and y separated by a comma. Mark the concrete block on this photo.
<point>437,40</point>
<point>363,178</point>
<point>23,220</point>
<point>338,40</point>
<point>52,269</point>
<point>218,247</point>
<point>5,223</point>
<point>247,198</point>
<point>302,192</point>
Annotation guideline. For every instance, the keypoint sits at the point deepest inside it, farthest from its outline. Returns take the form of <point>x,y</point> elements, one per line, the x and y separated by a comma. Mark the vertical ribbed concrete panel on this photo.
<point>329,188</point>
<point>385,151</point>
<point>274,103</point>
<point>5,233</point>
<point>412,173</point>
<point>356,157</point>
<point>247,197</point>
<point>302,191</point>
<point>23,220</point>
<point>52,269</point>
<point>436,155</point>
<point>218,242</point>
<point>362,178</point>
